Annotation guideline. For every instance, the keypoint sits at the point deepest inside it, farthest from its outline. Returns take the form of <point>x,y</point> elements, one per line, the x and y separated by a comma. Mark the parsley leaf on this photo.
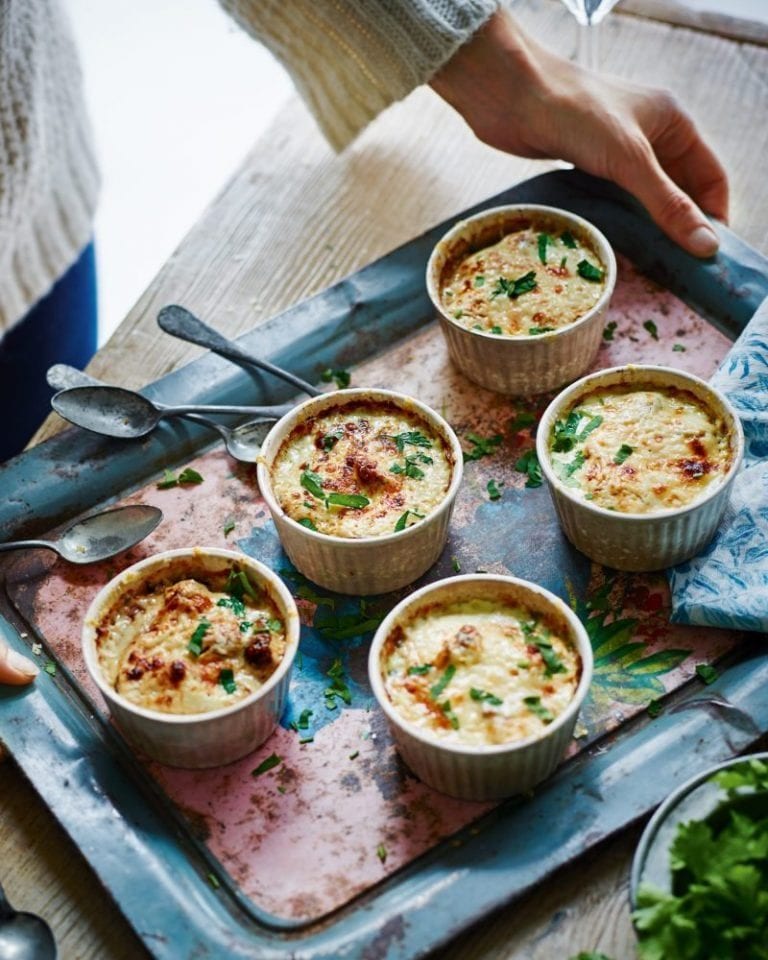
<point>515,288</point>
<point>589,271</point>
<point>420,670</point>
<point>529,464</point>
<point>355,500</point>
<point>537,331</point>
<point>229,525</point>
<point>493,491</point>
<point>436,689</point>
<point>238,585</point>
<point>402,521</point>
<point>412,437</point>
<point>481,446</point>
<point>313,482</point>
<point>329,440</point>
<point>195,645</point>
<point>479,280</point>
<point>654,708</point>
<point>609,330</point>
<point>342,378</point>
<point>536,707</point>
<point>678,348</point>
<point>308,523</point>
<point>623,452</point>
<point>543,240</point>
<point>568,239</point>
<point>271,761</point>
<point>227,680</point>
<point>234,604</point>
<point>483,696</point>
<point>445,706</point>
<point>706,672</point>
<point>651,327</point>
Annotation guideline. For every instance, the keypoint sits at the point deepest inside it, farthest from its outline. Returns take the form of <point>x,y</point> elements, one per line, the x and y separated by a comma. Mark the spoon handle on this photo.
<point>179,322</point>
<point>269,412</point>
<point>26,545</point>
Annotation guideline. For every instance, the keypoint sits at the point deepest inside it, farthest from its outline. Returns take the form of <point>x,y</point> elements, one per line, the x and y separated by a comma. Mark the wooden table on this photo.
<point>415,166</point>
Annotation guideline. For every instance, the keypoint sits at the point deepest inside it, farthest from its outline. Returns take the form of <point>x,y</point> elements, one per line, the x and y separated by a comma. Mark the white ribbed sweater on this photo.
<point>349,60</point>
<point>48,177</point>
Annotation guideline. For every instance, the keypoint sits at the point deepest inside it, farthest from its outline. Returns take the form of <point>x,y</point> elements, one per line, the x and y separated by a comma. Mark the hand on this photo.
<point>14,668</point>
<point>518,97</point>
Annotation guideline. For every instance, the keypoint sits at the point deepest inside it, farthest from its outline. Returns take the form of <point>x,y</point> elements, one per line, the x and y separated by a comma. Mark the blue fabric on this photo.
<point>60,328</point>
<point>727,585</point>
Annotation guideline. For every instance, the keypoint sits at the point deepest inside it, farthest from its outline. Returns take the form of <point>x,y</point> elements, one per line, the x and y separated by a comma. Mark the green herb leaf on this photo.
<point>455,565</point>
<point>188,475</point>
<point>229,526</point>
<point>521,420</point>
<point>529,464</point>
<point>50,668</point>
<point>381,853</point>
<point>436,689</point>
<point>274,625</point>
<point>537,331</point>
<point>342,378</point>
<point>678,348</point>
<point>213,880</point>
<point>307,522</point>
<point>568,239</point>
<point>543,240</point>
<point>169,480</point>
<point>338,688</point>
<point>515,288</point>
<point>195,645</point>
<point>623,452</point>
<point>412,437</point>
<point>238,585</point>
<point>458,314</point>
<point>654,708</point>
<point>536,707</point>
<point>313,482</point>
<point>329,440</point>
<point>552,663</point>
<point>479,280</point>
<point>568,469</point>
<point>420,670</point>
<point>563,261</point>
<point>706,673</point>
<point>481,446</point>
<point>402,521</point>
<point>355,500</point>
<point>227,680</point>
<point>589,271</point>
<point>445,706</point>
<point>609,330</point>
<point>271,761</point>
<point>651,327</point>
<point>234,604</point>
<point>496,329</point>
<point>355,755</point>
<point>493,491</point>
<point>485,697</point>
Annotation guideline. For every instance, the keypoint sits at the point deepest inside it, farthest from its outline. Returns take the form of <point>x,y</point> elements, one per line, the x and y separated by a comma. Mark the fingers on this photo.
<point>14,668</point>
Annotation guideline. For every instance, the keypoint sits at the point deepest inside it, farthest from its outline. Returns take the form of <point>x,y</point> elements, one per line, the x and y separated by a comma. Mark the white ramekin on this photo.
<point>204,739</point>
<point>639,542</point>
<point>480,772</point>
<point>527,364</point>
<point>366,565</point>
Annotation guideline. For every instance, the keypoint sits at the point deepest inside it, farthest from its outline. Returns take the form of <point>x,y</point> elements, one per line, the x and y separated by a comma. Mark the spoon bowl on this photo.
<point>24,936</point>
<point>98,537</point>
<point>126,414</point>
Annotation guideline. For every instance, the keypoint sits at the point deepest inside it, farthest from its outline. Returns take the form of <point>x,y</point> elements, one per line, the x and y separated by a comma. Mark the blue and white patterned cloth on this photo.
<point>727,585</point>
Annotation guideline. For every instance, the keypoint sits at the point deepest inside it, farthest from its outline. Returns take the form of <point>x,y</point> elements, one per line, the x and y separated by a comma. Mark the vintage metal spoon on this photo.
<point>24,936</point>
<point>98,537</point>
<point>116,412</point>
<point>243,442</point>
<point>179,322</point>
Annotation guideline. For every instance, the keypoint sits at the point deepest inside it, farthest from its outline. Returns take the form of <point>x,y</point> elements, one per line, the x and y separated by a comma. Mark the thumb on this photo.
<point>14,668</point>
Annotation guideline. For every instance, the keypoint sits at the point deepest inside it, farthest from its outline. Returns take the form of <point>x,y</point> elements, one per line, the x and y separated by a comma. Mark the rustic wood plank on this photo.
<point>294,219</point>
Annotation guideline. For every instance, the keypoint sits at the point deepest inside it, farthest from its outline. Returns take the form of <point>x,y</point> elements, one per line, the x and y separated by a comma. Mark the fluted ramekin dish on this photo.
<point>367,564</point>
<point>522,364</point>
<point>640,541</point>
<point>218,736</point>
<point>482,771</point>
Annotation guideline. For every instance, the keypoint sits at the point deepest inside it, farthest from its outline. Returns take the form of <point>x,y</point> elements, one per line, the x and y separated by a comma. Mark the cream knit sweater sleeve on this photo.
<point>350,59</point>
<point>48,178</point>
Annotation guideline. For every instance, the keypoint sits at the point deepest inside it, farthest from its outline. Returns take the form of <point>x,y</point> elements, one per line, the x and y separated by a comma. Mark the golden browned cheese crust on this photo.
<point>364,470</point>
<point>186,646</point>
<point>480,672</point>
<point>640,448</point>
<point>529,283</point>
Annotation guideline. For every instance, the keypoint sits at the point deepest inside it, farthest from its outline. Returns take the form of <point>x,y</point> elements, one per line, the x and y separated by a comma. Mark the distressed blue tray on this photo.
<point>112,810</point>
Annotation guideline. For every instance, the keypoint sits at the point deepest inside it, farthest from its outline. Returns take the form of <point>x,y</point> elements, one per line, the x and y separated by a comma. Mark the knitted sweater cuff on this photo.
<point>349,61</point>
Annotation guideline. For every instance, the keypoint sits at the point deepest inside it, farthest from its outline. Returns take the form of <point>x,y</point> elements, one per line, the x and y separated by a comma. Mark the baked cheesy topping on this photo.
<point>529,283</point>
<point>640,448</point>
<point>480,672</point>
<point>187,646</point>
<point>363,470</point>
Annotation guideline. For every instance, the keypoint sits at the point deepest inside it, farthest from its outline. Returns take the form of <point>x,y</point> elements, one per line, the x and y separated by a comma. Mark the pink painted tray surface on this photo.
<point>340,812</point>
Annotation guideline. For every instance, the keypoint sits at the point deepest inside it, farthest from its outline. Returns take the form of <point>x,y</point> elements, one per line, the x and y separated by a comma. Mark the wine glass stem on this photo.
<point>589,54</point>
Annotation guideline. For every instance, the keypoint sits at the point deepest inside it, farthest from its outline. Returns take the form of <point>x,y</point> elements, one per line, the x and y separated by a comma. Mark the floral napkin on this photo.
<point>727,585</point>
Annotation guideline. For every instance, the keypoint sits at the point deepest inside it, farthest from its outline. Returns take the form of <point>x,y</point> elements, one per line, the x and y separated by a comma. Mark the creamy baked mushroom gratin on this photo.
<point>190,645</point>
<point>535,280</point>
<point>362,470</point>
<point>641,448</point>
<point>480,672</point>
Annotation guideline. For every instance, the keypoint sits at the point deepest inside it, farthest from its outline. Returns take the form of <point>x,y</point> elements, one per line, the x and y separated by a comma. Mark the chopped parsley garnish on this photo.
<point>542,246</point>
<point>483,696</point>
<point>523,664</point>
<point>195,645</point>
<point>303,722</point>
<point>568,469</point>
<point>234,604</point>
<point>213,880</point>
<point>50,668</point>
<point>455,565</point>
<point>381,853</point>
<point>355,500</point>
<point>566,434</point>
<point>563,261</point>
<point>227,680</point>
<point>552,663</point>
<point>271,761</point>
<point>493,491</point>
<point>309,739</point>
<point>515,288</point>
<point>654,708</point>
<point>313,482</point>
<point>245,625</point>
<point>536,707</point>
<point>402,521</point>
<point>410,469</point>
<point>678,348</point>
<point>623,452</point>
<point>274,625</point>
<point>338,688</point>
<point>706,672</point>
<point>329,440</point>
<point>458,314</point>
<point>496,329</point>
<point>412,437</point>
<point>482,446</point>
<point>307,522</point>
<point>589,271</point>
<point>445,706</point>
<point>420,670</point>
<point>568,239</point>
<point>229,525</point>
<point>609,330</point>
<point>479,280</point>
<point>436,689</point>
<point>238,585</point>
<point>342,378</point>
<point>537,331</point>
<point>521,420</point>
<point>186,477</point>
<point>355,755</point>
<point>529,464</point>
<point>651,327</point>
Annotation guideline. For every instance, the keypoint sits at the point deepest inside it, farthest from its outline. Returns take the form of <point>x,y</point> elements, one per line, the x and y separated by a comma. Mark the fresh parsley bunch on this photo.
<point>720,868</point>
